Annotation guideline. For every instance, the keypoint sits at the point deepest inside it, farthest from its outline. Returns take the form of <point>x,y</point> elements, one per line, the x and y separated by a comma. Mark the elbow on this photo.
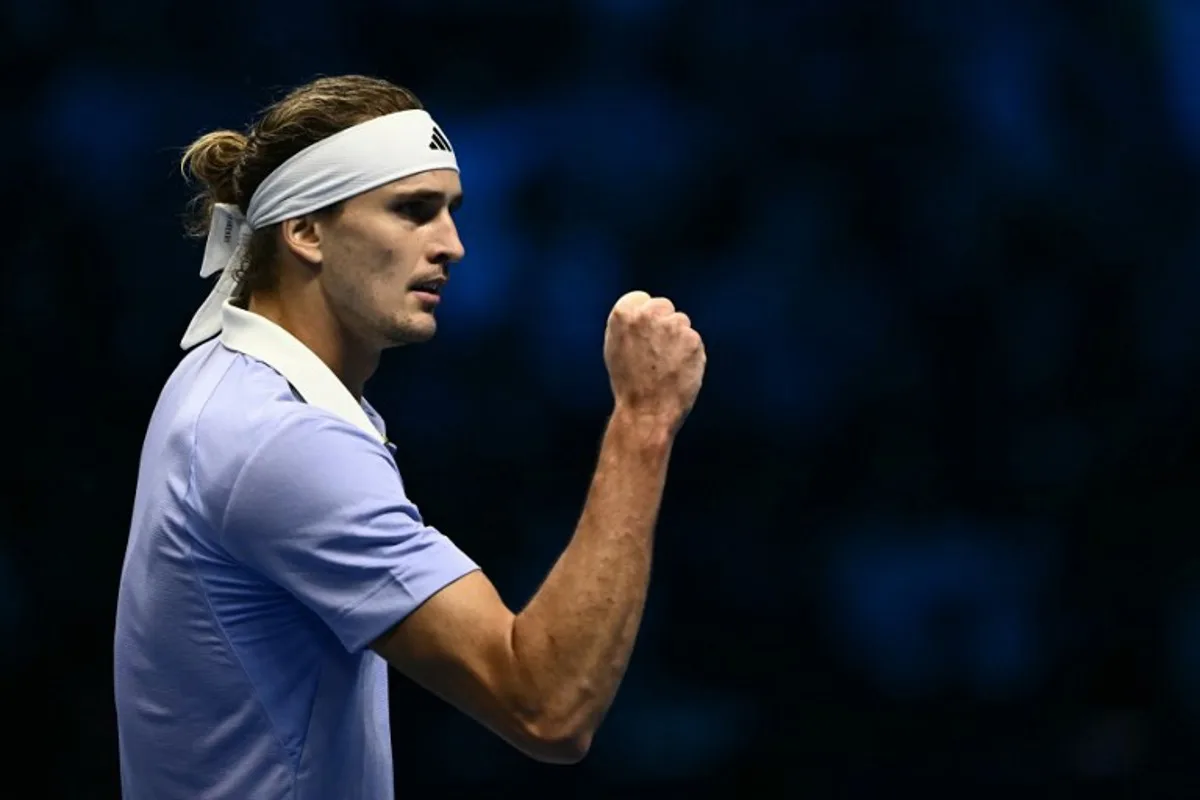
<point>551,721</point>
<point>558,745</point>
<point>554,733</point>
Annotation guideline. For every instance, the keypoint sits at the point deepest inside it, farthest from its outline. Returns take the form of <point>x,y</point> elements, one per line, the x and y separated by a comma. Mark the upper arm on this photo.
<point>459,645</point>
<point>320,510</point>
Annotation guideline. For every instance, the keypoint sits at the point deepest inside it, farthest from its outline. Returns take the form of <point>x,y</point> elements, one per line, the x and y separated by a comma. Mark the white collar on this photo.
<point>258,337</point>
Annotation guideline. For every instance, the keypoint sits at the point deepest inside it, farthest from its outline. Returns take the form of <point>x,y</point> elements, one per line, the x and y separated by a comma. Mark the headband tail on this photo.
<point>228,235</point>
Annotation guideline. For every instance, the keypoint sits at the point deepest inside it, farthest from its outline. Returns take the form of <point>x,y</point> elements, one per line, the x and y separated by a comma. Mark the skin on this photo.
<point>543,678</point>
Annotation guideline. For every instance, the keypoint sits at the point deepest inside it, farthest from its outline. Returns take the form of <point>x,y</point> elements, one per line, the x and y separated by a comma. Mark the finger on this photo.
<point>631,300</point>
<point>683,319</point>
<point>658,307</point>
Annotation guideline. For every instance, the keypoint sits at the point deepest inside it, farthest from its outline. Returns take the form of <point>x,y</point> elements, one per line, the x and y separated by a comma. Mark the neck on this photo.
<point>307,316</point>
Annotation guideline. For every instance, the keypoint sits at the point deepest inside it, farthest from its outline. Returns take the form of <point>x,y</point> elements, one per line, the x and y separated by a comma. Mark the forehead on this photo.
<point>442,181</point>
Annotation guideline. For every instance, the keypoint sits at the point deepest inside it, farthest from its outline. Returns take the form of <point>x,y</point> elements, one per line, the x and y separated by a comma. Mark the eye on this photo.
<point>419,211</point>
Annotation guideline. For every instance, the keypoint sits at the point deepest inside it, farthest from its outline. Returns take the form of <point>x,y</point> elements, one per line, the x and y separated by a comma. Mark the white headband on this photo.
<point>350,162</point>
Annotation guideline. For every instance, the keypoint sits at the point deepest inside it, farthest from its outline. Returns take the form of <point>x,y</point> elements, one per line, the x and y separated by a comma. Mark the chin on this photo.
<point>412,330</point>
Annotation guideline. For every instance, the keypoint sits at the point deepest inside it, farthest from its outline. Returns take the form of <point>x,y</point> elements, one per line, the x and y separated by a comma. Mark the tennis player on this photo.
<point>275,563</point>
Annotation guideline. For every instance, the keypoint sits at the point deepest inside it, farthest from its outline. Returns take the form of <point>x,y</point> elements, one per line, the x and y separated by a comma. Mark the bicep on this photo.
<point>459,645</point>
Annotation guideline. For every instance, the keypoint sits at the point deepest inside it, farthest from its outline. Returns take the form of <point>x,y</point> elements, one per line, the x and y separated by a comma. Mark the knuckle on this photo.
<point>660,305</point>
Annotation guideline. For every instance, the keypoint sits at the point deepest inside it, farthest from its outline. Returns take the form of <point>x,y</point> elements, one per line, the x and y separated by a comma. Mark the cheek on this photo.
<point>396,263</point>
<point>379,264</point>
<point>387,260</point>
<point>381,255</point>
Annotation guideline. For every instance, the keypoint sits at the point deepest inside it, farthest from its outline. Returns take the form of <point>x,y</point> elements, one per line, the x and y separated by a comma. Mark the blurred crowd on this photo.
<point>933,519</point>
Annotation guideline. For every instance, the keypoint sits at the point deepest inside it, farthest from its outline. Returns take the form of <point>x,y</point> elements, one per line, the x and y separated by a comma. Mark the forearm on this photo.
<point>574,639</point>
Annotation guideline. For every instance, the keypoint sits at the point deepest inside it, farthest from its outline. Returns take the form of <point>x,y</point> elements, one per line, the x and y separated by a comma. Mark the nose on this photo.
<point>449,247</point>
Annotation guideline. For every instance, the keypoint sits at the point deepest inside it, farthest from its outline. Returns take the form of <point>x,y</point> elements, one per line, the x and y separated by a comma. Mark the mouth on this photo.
<point>430,290</point>
<point>430,286</point>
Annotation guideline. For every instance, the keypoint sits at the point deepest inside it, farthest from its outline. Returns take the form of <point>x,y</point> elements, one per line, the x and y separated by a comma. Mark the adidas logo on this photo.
<point>439,141</point>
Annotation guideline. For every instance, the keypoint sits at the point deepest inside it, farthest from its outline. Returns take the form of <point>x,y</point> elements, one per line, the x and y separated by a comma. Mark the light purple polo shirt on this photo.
<point>271,542</point>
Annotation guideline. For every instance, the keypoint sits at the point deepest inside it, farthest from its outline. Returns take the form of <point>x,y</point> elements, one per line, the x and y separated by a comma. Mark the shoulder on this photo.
<point>254,406</point>
<point>255,435</point>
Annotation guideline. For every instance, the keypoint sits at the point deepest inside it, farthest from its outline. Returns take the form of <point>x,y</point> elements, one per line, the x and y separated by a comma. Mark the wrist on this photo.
<point>653,431</point>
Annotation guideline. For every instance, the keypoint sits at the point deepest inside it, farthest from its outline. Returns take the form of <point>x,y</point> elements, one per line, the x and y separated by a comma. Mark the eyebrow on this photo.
<point>429,195</point>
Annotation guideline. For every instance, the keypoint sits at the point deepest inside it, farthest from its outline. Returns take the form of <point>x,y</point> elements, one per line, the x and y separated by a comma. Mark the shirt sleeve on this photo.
<point>320,509</point>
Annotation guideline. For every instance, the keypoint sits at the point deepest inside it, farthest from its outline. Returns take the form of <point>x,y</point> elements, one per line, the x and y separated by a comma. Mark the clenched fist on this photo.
<point>655,358</point>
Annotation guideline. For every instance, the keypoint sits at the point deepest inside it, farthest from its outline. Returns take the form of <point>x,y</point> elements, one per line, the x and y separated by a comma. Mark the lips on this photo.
<point>431,286</point>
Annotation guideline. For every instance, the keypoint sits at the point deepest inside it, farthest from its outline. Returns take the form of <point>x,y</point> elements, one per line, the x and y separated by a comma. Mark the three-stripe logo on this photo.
<point>439,141</point>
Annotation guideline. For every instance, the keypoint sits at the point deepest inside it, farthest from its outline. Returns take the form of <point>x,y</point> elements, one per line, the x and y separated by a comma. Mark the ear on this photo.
<point>302,236</point>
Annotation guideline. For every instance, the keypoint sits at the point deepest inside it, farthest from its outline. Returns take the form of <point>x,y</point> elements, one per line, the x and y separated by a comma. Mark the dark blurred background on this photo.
<point>933,524</point>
